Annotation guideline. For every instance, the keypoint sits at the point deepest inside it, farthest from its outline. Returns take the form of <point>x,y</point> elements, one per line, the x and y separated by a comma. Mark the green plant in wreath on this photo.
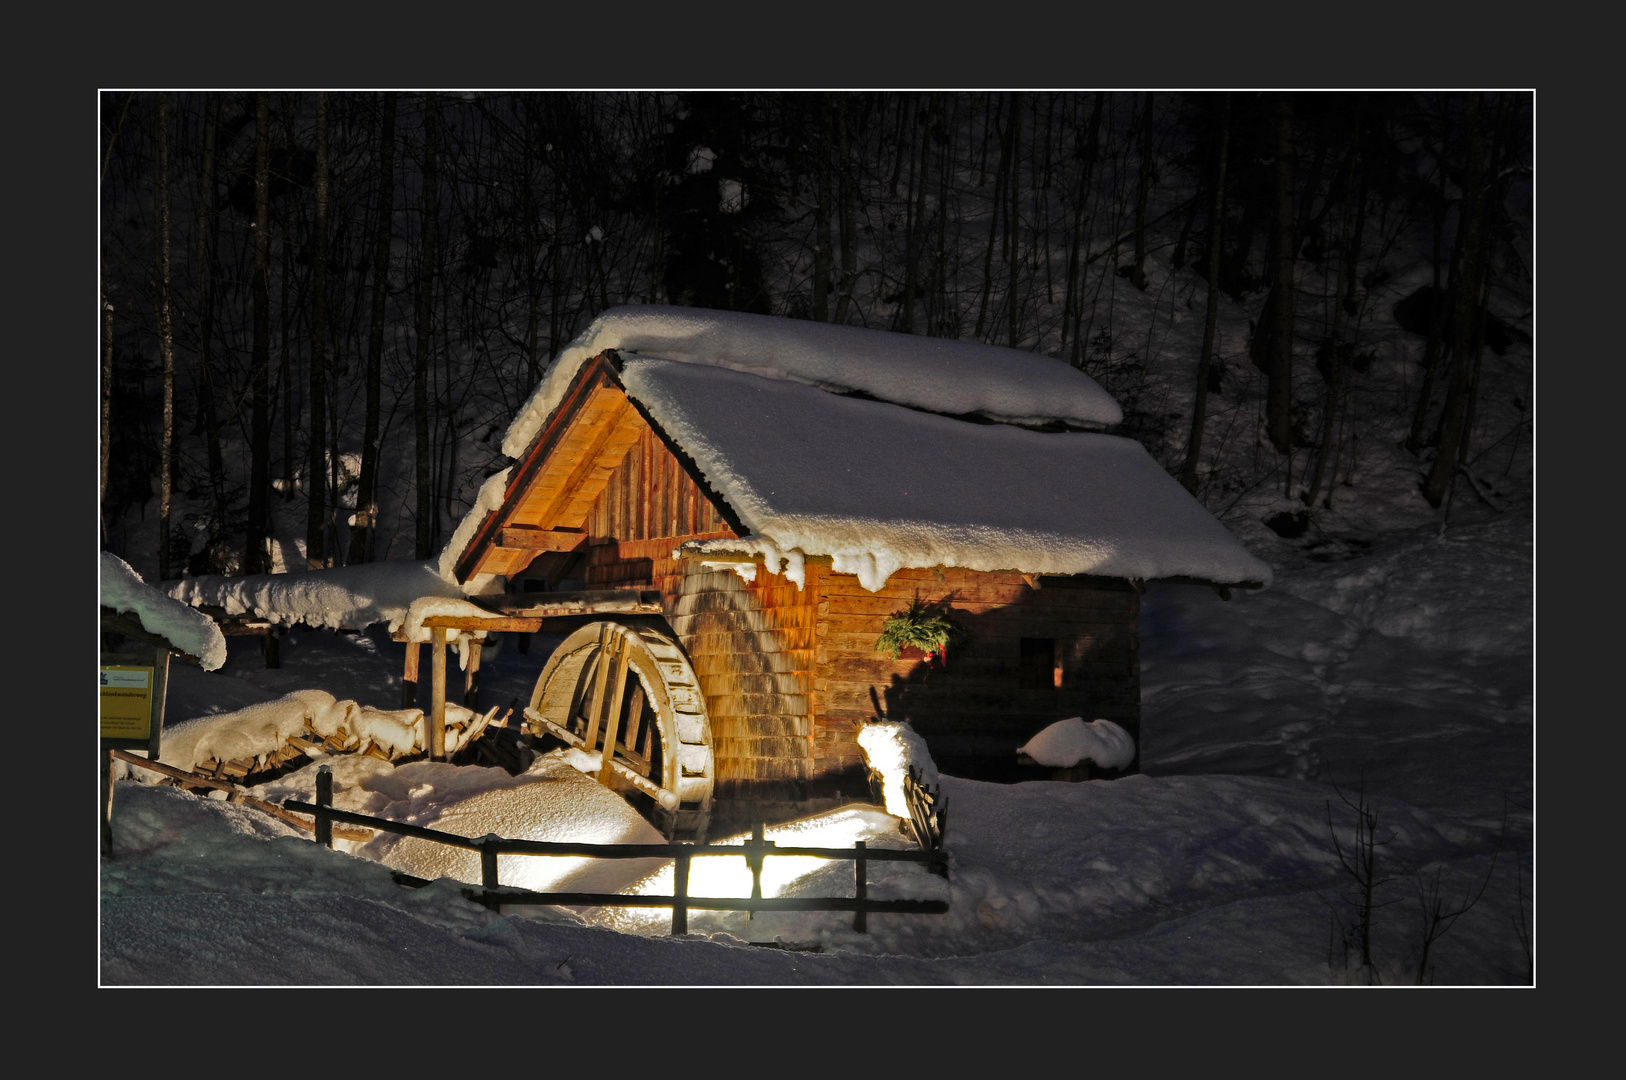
<point>925,626</point>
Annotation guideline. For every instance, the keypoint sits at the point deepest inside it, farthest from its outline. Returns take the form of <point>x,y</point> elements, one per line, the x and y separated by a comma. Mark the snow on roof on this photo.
<point>348,596</point>
<point>878,487</point>
<point>189,631</point>
<point>935,374</point>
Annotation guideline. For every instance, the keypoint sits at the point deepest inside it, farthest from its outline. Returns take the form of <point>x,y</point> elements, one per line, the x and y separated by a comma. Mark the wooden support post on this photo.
<point>107,760</point>
<point>409,676</point>
<point>606,641</point>
<point>273,648</point>
<point>471,677</point>
<point>324,799</point>
<point>437,694</point>
<point>612,719</point>
<point>861,889</point>
<point>680,892</point>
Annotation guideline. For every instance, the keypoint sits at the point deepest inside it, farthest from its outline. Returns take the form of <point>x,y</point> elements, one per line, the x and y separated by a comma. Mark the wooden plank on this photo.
<point>409,675</point>
<point>532,538</point>
<point>607,639</point>
<point>612,719</point>
<point>516,623</point>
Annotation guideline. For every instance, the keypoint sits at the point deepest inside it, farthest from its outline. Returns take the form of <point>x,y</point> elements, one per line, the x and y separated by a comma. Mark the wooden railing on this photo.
<point>493,894</point>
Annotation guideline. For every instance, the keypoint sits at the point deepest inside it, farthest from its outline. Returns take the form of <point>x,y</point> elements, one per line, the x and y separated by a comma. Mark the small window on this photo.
<point>1037,668</point>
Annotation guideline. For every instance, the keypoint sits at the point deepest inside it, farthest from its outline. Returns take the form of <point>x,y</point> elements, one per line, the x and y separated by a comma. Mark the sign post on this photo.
<point>133,688</point>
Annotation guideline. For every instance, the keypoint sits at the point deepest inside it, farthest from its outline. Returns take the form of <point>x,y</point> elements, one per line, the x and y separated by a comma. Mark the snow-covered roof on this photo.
<point>893,476</point>
<point>877,487</point>
<point>189,631</point>
<point>935,374</point>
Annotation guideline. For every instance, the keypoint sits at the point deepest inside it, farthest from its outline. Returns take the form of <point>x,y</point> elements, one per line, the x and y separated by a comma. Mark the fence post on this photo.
<point>488,860</point>
<point>109,763</point>
<point>680,892</point>
<point>753,859</point>
<point>861,889</point>
<point>324,799</point>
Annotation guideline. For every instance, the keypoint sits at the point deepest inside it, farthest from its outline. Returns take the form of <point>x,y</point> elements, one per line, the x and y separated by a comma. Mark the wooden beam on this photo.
<point>129,624</point>
<point>409,675</point>
<point>520,623</point>
<point>544,605</point>
<point>607,639</point>
<point>531,538</point>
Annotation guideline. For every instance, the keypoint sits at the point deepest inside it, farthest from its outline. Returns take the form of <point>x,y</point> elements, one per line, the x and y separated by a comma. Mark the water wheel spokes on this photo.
<point>627,696</point>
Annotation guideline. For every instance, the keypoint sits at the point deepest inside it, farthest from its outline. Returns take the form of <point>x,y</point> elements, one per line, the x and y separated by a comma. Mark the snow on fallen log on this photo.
<point>191,632</point>
<point>1065,743</point>
<point>259,731</point>
<point>353,597</point>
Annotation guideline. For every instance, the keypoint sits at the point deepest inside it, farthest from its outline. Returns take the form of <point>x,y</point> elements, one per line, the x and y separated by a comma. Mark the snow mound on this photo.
<point>1068,742</point>
<point>190,631</point>
<point>936,374</point>
<point>344,596</point>
<point>892,748</point>
<point>551,801</point>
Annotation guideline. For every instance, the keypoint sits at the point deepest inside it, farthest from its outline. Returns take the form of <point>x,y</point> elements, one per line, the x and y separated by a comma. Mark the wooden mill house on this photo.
<point>728,508</point>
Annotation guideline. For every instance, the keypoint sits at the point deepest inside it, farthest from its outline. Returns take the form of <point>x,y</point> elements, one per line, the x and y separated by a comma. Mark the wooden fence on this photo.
<point>493,894</point>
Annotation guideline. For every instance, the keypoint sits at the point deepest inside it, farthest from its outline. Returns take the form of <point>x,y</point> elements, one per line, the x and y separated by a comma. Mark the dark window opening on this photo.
<point>1037,669</point>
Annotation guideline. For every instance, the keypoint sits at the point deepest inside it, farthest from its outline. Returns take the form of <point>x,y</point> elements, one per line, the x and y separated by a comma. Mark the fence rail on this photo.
<point>493,893</point>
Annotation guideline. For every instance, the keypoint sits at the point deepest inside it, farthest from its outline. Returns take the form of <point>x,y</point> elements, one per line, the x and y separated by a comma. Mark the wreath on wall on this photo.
<point>924,626</point>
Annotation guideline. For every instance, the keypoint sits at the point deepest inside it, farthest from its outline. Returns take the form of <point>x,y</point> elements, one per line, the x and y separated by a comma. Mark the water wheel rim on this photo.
<point>673,706</point>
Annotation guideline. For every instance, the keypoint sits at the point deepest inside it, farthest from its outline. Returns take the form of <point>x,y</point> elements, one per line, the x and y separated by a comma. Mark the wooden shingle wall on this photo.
<point>986,702</point>
<point>751,645</point>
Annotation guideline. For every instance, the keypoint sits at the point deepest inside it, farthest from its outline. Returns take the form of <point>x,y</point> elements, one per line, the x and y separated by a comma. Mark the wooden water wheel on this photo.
<point>627,695</point>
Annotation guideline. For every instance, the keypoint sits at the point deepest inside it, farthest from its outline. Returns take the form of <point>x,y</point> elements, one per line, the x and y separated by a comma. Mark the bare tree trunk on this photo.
<point>993,231</point>
<point>316,464</point>
<point>366,521</point>
<point>917,219</point>
<point>1216,223</point>
<point>1075,288</point>
<point>849,215</point>
<point>821,221</point>
<point>1437,308</point>
<point>166,344</point>
<point>1279,404</point>
<point>206,308</point>
<point>1013,233</point>
<point>1464,313</point>
<point>1137,276</point>
<point>256,551</point>
<point>425,327</point>
<point>107,403</point>
<point>1335,366</point>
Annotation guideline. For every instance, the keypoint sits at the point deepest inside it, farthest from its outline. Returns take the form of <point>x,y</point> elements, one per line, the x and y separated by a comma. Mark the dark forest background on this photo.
<point>319,312</point>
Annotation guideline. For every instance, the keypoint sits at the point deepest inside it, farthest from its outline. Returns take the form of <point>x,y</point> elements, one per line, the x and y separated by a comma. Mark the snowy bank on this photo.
<point>190,631</point>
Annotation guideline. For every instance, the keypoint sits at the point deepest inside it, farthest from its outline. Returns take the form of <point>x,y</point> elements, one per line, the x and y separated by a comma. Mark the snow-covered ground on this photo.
<point>1404,670</point>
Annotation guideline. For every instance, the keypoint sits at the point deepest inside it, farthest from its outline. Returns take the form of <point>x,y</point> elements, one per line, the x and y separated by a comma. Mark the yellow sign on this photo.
<point>126,702</point>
